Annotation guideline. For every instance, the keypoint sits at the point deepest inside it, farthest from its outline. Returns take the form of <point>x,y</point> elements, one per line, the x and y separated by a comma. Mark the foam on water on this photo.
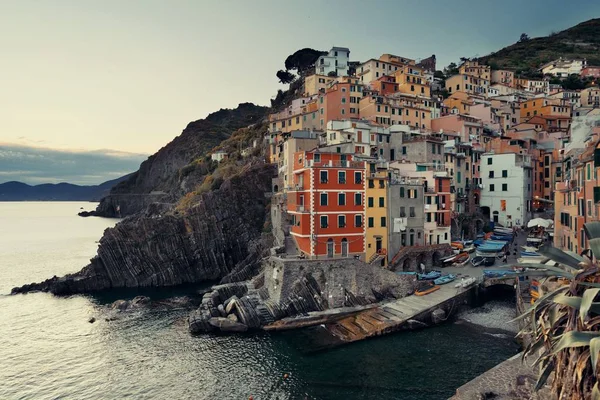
<point>494,314</point>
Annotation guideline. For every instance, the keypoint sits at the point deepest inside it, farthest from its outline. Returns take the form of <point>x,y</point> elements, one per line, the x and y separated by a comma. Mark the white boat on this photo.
<point>465,282</point>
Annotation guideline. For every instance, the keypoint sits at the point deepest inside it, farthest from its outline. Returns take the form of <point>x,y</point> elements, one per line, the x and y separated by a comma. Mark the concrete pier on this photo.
<point>410,312</point>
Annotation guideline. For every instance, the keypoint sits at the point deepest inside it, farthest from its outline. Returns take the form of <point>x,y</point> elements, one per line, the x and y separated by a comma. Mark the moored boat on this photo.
<point>477,260</point>
<point>430,275</point>
<point>426,288</point>
<point>465,283</point>
<point>442,280</point>
<point>462,259</point>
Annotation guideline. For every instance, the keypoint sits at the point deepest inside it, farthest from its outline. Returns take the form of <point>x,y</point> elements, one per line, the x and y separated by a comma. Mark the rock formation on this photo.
<point>160,178</point>
<point>221,233</point>
<point>287,288</point>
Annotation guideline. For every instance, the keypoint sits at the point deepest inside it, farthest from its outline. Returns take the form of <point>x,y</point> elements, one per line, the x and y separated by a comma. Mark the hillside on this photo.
<point>18,191</point>
<point>173,171</point>
<point>580,41</point>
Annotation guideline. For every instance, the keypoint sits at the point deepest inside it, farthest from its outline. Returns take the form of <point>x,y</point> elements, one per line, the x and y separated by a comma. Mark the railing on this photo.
<point>301,208</point>
<point>334,164</point>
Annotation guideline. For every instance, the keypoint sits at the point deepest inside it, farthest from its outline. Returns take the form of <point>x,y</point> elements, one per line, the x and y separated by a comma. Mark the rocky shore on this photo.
<point>219,237</point>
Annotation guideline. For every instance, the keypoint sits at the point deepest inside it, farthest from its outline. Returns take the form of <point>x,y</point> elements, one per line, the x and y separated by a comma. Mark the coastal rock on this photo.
<point>209,241</point>
<point>227,325</point>
<point>165,176</point>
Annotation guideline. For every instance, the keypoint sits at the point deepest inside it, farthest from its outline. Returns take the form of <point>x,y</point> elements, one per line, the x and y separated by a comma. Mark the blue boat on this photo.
<point>444,279</point>
<point>530,254</point>
<point>504,238</point>
<point>499,273</point>
<point>405,273</point>
<point>430,275</point>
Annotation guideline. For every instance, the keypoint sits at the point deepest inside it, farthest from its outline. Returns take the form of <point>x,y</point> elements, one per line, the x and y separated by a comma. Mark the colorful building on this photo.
<point>377,221</point>
<point>327,204</point>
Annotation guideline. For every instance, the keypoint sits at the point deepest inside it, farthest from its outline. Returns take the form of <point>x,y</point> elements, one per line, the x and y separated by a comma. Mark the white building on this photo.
<point>562,68</point>
<point>218,155</point>
<point>507,187</point>
<point>335,61</point>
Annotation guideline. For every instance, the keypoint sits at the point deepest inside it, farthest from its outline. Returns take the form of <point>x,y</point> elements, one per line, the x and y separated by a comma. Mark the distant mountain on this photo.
<point>579,41</point>
<point>19,191</point>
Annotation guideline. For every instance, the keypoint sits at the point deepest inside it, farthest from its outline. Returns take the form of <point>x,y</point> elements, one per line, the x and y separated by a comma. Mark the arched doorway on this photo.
<point>406,265</point>
<point>435,258</point>
<point>421,261</point>
<point>344,247</point>
<point>276,188</point>
<point>330,248</point>
<point>486,212</point>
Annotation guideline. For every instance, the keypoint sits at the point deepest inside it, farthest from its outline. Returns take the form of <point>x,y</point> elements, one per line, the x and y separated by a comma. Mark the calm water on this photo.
<point>48,350</point>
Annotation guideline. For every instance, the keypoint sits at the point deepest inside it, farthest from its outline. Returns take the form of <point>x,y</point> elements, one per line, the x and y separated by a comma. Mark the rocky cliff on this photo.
<point>159,178</point>
<point>217,234</point>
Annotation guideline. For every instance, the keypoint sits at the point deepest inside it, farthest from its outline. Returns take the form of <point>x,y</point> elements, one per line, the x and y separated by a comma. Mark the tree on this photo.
<point>524,37</point>
<point>332,73</point>
<point>451,69</point>
<point>303,60</point>
<point>439,74</point>
<point>285,77</point>
<point>573,82</point>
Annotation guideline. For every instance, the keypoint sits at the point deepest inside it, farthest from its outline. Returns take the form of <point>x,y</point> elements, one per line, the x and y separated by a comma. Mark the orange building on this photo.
<point>327,204</point>
<point>558,108</point>
<point>411,79</point>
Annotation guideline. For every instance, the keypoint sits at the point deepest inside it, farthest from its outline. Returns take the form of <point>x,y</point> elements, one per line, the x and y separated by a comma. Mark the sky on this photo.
<point>82,75</point>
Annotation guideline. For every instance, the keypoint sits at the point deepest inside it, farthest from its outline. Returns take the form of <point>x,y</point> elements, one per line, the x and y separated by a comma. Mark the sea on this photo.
<point>50,350</point>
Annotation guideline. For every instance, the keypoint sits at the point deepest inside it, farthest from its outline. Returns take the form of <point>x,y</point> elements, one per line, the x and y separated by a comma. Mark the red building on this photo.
<point>590,71</point>
<point>327,204</point>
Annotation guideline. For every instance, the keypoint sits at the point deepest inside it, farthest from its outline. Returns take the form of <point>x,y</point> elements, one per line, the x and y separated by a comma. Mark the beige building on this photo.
<point>313,84</point>
<point>503,77</point>
<point>387,64</point>
<point>590,97</point>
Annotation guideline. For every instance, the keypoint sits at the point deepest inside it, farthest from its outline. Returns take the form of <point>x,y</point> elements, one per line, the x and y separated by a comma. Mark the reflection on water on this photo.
<point>51,351</point>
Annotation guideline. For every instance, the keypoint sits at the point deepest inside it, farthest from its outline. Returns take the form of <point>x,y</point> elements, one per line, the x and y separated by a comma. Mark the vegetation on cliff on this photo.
<point>527,54</point>
<point>161,172</point>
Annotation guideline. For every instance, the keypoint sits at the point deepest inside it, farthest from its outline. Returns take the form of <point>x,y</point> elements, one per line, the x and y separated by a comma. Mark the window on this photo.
<point>323,221</point>
<point>323,199</point>
<point>318,158</point>
<point>401,192</point>
<point>341,199</point>
<point>411,211</point>
<point>370,201</point>
<point>402,212</point>
<point>433,147</point>
<point>371,184</point>
<point>358,220</point>
<point>491,188</point>
<point>371,222</point>
<point>505,173</point>
<point>357,199</point>
<point>403,149</point>
<point>491,174</point>
<point>489,161</point>
<point>383,222</point>
<point>341,221</point>
<point>357,177</point>
<point>323,176</point>
<point>341,176</point>
<point>381,202</point>
<point>505,187</point>
<point>428,217</point>
<point>381,183</point>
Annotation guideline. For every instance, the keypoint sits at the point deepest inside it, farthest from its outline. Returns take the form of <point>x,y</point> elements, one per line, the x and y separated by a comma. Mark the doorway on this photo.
<point>344,247</point>
<point>330,248</point>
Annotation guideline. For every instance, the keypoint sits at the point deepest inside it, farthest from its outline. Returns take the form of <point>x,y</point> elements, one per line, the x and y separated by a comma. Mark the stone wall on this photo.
<point>336,278</point>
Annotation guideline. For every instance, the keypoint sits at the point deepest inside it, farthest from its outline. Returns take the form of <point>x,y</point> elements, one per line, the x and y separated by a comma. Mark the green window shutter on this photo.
<point>596,194</point>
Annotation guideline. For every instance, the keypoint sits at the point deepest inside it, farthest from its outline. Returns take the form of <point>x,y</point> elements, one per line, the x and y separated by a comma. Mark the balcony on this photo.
<point>301,208</point>
<point>333,164</point>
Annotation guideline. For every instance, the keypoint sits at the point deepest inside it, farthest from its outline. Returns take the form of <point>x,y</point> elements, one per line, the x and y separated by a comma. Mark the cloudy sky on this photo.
<point>34,165</point>
<point>129,75</point>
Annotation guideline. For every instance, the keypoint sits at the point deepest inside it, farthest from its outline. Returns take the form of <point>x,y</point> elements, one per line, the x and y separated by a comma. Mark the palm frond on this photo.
<point>544,375</point>
<point>559,256</point>
<point>574,339</point>
<point>571,301</point>
<point>595,392</point>
<point>586,302</point>
<point>594,350</point>
<point>592,230</point>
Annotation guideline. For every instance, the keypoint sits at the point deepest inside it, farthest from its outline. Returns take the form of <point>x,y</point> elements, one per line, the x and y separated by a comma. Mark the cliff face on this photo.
<point>220,235</point>
<point>159,178</point>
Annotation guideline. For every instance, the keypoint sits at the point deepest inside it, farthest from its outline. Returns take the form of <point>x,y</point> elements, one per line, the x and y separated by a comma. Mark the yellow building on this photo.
<point>377,223</point>
<point>313,84</point>
<point>459,101</point>
<point>411,79</point>
<point>473,68</point>
<point>544,107</point>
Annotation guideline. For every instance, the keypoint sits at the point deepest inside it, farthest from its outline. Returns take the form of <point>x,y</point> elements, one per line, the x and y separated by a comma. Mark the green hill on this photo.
<point>525,57</point>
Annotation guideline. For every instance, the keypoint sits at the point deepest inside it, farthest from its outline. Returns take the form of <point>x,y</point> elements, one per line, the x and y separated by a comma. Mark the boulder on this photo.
<point>120,305</point>
<point>227,325</point>
<point>233,317</point>
<point>140,300</point>
<point>221,310</point>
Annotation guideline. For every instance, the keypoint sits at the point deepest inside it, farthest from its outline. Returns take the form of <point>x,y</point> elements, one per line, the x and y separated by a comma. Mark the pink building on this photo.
<point>590,71</point>
<point>464,125</point>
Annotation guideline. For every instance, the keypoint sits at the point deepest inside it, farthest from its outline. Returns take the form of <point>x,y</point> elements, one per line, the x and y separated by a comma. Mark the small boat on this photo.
<point>530,254</point>
<point>406,273</point>
<point>489,261</point>
<point>457,245</point>
<point>461,259</point>
<point>490,273</point>
<point>469,249</point>
<point>477,261</point>
<point>465,283</point>
<point>448,260</point>
<point>424,289</point>
<point>442,280</point>
<point>430,275</point>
